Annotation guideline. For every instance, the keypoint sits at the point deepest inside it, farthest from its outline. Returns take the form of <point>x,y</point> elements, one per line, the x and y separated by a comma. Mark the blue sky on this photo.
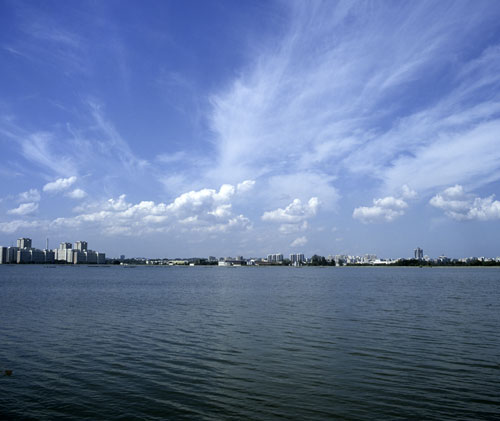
<point>196,128</point>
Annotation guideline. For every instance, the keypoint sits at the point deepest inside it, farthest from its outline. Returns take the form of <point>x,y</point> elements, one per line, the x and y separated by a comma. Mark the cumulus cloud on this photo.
<point>386,208</point>
<point>205,210</point>
<point>245,186</point>
<point>298,242</point>
<point>207,201</point>
<point>77,194</point>
<point>59,185</point>
<point>368,214</point>
<point>459,205</point>
<point>295,212</point>
<point>24,209</point>
<point>294,217</point>
<point>32,195</point>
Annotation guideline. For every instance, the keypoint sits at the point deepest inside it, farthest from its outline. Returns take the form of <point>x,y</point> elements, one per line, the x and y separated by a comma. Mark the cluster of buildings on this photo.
<point>66,253</point>
<point>298,259</point>
<point>79,253</point>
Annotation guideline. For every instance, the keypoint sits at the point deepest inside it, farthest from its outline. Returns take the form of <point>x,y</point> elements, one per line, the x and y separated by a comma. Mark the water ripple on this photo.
<point>252,343</point>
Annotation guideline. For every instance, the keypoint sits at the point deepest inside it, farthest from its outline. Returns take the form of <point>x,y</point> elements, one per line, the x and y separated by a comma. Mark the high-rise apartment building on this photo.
<point>419,253</point>
<point>25,253</point>
<point>64,252</point>
<point>297,258</point>
<point>12,255</point>
<point>24,243</point>
<point>80,246</point>
<point>275,258</point>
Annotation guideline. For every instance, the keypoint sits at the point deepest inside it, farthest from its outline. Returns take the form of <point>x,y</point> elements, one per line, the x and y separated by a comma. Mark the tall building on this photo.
<point>101,258</point>
<point>419,253</point>
<point>49,256</point>
<point>64,253</point>
<point>24,243</point>
<point>297,258</point>
<point>24,253</point>
<point>30,256</point>
<point>275,258</point>
<point>80,246</point>
<point>12,255</point>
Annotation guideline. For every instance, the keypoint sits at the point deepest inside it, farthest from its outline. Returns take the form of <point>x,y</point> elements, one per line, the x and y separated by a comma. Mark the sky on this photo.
<point>196,128</point>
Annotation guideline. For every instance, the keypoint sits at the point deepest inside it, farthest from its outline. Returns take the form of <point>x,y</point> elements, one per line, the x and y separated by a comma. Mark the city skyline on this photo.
<point>78,252</point>
<point>24,252</point>
<point>224,128</point>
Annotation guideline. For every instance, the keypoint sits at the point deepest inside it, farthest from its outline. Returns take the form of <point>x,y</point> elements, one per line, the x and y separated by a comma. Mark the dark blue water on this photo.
<point>214,343</point>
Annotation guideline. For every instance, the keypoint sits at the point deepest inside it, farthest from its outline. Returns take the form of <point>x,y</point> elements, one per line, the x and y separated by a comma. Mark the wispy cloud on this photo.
<point>32,195</point>
<point>299,242</point>
<point>344,95</point>
<point>24,209</point>
<point>93,147</point>
<point>20,224</point>
<point>112,142</point>
<point>38,148</point>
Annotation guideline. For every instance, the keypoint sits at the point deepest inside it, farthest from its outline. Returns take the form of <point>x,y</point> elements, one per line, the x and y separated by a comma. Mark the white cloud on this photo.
<point>59,185</point>
<point>204,200</point>
<point>298,242</point>
<point>24,209</point>
<point>368,214</point>
<point>455,191</point>
<point>32,195</point>
<point>455,154</point>
<point>407,192</point>
<point>301,185</point>
<point>390,202</point>
<point>292,228</point>
<point>77,194</point>
<point>385,209</point>
<point>112,144</point>
<point>342,96</point>
<point>205,210</point>
<point>294,217</point>
<point>295,212</point>
<point>38,147</point>
<point>462,206</point>
<point>245,186</point>
<point>13,226</point>
<point>170,158</point>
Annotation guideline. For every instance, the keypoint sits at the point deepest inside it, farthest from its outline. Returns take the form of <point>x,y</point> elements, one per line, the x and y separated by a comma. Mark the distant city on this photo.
<point>66,253</point>
<point>79,253</point>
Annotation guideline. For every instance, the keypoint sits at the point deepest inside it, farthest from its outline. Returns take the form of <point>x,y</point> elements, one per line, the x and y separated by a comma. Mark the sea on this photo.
<point>249,343</point>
